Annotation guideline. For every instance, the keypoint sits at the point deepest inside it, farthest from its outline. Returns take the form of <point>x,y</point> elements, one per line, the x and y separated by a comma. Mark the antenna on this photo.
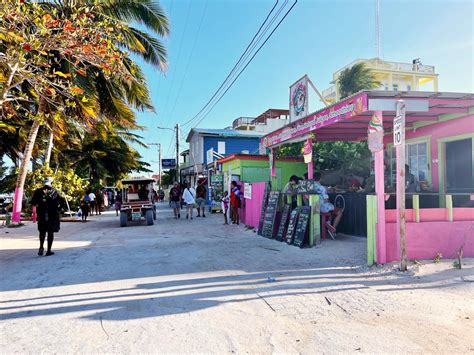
<point>377,29</point>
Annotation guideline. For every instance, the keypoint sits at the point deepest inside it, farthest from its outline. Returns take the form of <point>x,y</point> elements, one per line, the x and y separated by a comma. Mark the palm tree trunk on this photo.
<point>49,148</point>
<point>20,182</point>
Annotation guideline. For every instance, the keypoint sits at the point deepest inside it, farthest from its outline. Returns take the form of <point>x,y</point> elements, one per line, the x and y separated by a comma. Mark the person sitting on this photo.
<point>143,193</point>
<point>327,207</point>
<point>291,189</point>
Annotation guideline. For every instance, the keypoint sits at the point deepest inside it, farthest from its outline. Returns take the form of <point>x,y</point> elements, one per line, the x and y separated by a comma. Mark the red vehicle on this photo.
<point>136,204</point>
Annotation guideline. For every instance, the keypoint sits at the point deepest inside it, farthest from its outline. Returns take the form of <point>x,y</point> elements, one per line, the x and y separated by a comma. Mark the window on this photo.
<point>416,155</point>
<point>408,87</point>
<point>221,147</point>
<point>395,87</point>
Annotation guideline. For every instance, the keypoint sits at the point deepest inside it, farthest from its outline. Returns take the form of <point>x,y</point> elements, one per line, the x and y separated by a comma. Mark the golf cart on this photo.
<point>136,205</point>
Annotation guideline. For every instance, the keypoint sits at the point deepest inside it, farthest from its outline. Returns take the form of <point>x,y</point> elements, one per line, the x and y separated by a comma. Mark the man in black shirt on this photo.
<point>49,204</point>
<point>175,200</point>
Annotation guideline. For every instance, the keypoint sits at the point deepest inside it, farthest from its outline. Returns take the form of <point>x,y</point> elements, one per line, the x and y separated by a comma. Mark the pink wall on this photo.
<point>252,208</point>
<point>426,239</point>
<point>451,128</point>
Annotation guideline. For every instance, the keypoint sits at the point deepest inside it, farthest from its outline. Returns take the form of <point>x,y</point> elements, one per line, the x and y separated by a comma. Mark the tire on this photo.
<point>149,217</point>
<point>154,213</point>
<point>123,219</point>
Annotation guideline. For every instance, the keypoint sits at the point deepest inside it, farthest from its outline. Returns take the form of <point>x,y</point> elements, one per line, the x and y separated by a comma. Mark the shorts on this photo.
<point>201,202</point>
<point>175,204</point>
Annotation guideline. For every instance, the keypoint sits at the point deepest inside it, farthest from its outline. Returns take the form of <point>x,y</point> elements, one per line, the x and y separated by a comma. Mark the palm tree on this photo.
<point>112,98</point>
<point>356,78</point>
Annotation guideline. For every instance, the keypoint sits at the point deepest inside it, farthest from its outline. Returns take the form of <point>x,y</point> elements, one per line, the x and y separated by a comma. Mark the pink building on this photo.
<point>439,149</point>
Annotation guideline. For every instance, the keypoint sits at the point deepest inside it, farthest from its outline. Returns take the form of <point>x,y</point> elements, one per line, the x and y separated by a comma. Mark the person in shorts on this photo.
<point>327,207</point>
<point>175,200</point>
<point>201,199</point>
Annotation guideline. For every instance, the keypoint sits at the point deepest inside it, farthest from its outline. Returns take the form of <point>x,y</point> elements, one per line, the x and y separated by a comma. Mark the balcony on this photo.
<point>378,64</point>
<point>243,123</point>
<point>330,92</point>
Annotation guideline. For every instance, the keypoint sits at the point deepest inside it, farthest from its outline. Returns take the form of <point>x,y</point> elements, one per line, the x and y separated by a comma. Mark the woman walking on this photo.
<point>189,197</point>
<point>85,202</point>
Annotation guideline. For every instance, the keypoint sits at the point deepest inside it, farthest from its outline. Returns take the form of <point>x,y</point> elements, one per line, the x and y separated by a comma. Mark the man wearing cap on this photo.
<point>48,204</point>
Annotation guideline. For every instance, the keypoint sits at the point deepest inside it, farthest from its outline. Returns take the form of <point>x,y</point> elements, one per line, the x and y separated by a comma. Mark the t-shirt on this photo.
<point>325,206</point>
<point>189,196</point>
<point>201,191</point>
<point>175,193</point>
<point>92,196</point>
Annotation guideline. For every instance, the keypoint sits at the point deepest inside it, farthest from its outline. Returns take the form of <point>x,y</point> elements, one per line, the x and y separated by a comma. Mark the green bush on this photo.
<point>70,185</point>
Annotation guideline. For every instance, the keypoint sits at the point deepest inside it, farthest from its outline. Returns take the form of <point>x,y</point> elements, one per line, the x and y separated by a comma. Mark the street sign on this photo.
<point>398,130</point>
<point>168,163</point>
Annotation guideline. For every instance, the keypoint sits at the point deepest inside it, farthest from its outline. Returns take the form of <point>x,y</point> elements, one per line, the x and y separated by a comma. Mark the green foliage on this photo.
<point>71,186</point>
<point>356,78</point>
<point>353,157</point>
<point>168,177</point>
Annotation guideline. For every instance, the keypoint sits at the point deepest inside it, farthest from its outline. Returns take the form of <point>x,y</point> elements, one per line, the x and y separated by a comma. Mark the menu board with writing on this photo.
<point>269,221</point>
<point>283,223</point>
<point>306,186</point>
<point>264,208</point>
<point>290,232</point>
<point>302,226</point>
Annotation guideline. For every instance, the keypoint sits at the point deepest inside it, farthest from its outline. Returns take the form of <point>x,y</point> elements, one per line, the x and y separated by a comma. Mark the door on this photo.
<point>459,170</point>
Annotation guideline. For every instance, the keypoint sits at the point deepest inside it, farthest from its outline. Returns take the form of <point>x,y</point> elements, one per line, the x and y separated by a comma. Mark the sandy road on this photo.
<point>198,286</point>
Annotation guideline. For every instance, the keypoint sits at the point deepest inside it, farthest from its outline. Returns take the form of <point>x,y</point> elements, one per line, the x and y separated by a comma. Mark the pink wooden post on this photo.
<point>380,192</point>
<point>272,163</point>
<point>308,150</point>
<point>17,205</point>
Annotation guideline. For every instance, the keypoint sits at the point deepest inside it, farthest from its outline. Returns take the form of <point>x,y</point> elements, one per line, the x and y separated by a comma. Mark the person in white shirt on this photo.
<point>189,197</point>
<point>92,203</point>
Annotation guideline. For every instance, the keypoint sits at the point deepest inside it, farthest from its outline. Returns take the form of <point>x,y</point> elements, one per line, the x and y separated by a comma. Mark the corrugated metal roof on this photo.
<point>223,133</point>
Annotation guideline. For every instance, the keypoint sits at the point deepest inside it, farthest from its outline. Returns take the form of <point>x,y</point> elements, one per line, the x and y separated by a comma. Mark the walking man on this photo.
<point>201,199</point>
<point>175,200</point>
<point>48,203</point>
<point>189,196</point>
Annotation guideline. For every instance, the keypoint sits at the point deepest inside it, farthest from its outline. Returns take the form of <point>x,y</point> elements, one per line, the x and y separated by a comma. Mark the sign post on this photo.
<point>399,143</point>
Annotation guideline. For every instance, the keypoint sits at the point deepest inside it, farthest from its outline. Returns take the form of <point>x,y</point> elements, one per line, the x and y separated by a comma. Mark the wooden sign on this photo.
<point>302,226</point>
<point>269,221</point>
<point>283,223</point>
<point>290,232</point>
<point>264,208</point>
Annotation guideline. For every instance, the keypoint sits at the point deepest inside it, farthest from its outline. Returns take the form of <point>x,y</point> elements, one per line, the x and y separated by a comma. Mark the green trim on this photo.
<point>416,207</point>
<point>371,228</point>
<point>315,222</point>
<point>449,206</point>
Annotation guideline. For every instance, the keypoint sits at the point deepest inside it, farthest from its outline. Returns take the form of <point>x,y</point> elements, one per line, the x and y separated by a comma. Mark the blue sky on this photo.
<point>317,38</point>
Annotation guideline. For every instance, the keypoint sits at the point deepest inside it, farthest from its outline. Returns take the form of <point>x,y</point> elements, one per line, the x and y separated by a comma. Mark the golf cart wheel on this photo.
<point>123,219</point>
<point>154,215</point>
<point>149,217</point>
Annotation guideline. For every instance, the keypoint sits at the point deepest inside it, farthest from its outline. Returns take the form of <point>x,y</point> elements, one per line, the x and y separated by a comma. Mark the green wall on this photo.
<point>259,170</point>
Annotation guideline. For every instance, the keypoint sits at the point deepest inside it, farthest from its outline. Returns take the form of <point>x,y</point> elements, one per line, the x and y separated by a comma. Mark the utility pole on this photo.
<point>178,177</point>
<point>159,163</point>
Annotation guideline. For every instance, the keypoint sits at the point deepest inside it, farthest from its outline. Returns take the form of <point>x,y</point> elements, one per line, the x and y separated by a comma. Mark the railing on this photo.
<point>395,66</point>
<point>241,121</point>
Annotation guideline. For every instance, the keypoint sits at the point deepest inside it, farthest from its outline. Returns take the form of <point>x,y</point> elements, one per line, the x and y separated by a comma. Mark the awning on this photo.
<point>347,120</point>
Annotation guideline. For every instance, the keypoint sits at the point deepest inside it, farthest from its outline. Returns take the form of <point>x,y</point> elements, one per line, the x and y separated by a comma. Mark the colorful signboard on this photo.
<point>299,99</point>
<point>335,113</point>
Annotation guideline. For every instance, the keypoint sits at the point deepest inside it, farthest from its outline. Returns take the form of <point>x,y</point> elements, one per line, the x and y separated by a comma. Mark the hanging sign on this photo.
<point>375,133</point>
<point>299,99</point>
<point>168,163</point>
<point>330,115</point>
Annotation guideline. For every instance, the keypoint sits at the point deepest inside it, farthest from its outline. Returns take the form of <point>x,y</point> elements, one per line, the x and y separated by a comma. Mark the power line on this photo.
<point>189,60</point>
<point>234,68</point>
<point>251,59</point>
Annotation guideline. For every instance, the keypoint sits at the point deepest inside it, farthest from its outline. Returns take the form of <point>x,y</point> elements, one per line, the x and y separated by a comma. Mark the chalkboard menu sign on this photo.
<point>290,232</point>
<point>264,208</point>
<point>269,221</point>
<point>283,223</point>
<point>302,226</point>
<point>306,186</point>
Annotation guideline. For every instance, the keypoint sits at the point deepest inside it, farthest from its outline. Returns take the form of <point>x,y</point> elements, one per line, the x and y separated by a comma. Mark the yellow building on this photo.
<point>392,76</point>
